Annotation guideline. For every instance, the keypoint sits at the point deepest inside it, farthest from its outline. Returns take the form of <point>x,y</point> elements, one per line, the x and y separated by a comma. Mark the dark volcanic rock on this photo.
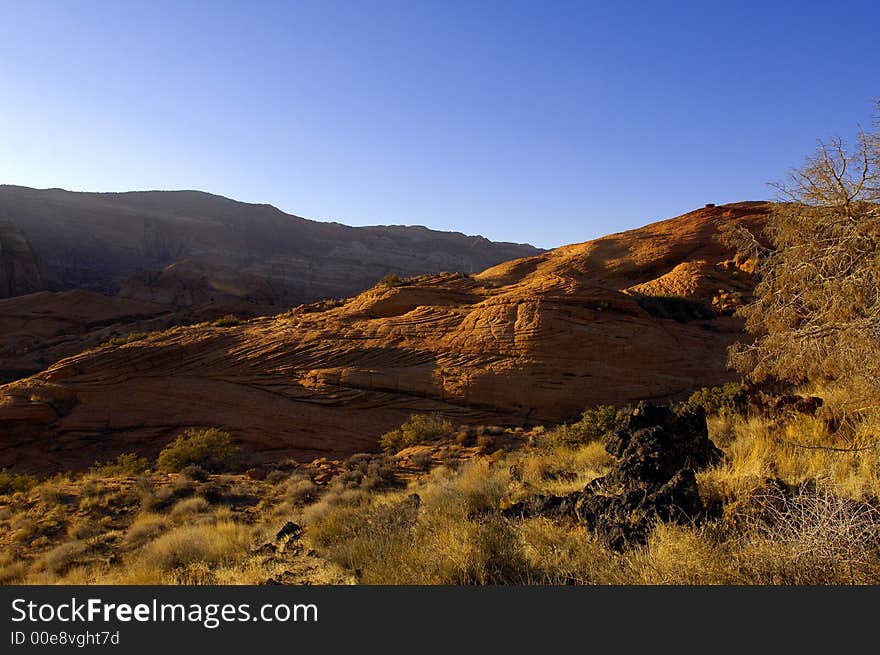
<point>658,450</point>
<point>289,530</point>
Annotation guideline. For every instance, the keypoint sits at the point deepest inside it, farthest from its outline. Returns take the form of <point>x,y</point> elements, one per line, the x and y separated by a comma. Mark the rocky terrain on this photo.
<point>644,314</point>
<point>102,265</point>
<point>40,328</point>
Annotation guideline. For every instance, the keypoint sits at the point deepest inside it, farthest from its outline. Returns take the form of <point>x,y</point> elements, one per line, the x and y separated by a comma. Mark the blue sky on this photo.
<point>546,122</point>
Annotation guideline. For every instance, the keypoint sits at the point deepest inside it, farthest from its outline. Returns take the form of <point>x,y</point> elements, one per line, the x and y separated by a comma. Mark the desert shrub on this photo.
<point>676,308</point>
<point>716,401</point>
<point>486,442</point>
<point>333,499</point>
<point>62,556</point>
<point>51,493</point>
<point>276,476</point>
<point>11,483</point>
<point>816,305</point>
<point>195,473</point>
<point>23,528</point>
<point>209,448</point>
<point>564,554</point>
<point>422,460</point>
<point>125,464</point>
<point>230,320</point>
<point>682,555</point>
<point>498,556</point>
<point>593,425</point>
<point>128,338</point>
<point>473,490</point>
<point>418,429</point>
<point>189,506</point>
<point>811,536</point>
<point>391,280</point>
<point>358,532</point>
<point>368,471</point>
<point>11,571</point>
<point>145,528</point>
<point>450,532</point>
<point>154,500</point>
<point>212,544</point>
<point>558,470</point>
<point>214,492</point>
<point>299,491</point>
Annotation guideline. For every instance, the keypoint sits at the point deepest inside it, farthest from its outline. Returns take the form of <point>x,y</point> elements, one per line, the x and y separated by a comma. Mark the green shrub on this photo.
<point>128,338</point>
<point>726,399</point>
<point>209,448</point>
<point>677,308</point>
<point>229,320</point>
<point>418,429</point>
<point>125,464</point>
<point>593,425</point>
<point>11,483</point>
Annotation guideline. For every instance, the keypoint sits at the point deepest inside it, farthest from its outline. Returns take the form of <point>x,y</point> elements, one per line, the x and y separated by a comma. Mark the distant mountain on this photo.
<point>186,248</point>
<point>643,314</point>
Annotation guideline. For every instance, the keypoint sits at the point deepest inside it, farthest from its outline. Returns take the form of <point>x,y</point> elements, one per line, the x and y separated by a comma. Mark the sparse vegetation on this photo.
<point>230,320</point>
<point>392,280</point>
<point>125,464</point>
<point>726,399</point>
<point>209,448</point>
<point>593,425</point>
<point>115,342</point>
<point>11,483</point>
<point>781,514</point>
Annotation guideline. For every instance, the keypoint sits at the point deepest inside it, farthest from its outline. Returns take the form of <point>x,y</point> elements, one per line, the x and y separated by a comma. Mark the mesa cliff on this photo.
<point>186,248</point>
<point>643,314</point>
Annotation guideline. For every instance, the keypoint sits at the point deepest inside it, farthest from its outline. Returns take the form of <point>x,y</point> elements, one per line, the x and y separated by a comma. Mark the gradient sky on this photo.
<point>545,122</point>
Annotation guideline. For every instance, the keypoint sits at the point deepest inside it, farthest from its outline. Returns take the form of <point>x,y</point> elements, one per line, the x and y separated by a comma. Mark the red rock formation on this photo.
<point>531,340</point>
<point>41,328</point>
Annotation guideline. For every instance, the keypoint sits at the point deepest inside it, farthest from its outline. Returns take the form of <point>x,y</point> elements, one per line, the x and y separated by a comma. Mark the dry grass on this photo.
<point>824,533</point>
<point>146,527</point>
<point>189,507</point>
<point>760,448</point>
<point>186,545</point>
<point>784,514</point>
<point>61,557</point>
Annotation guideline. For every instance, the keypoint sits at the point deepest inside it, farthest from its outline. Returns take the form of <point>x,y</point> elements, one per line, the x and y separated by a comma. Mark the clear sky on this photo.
<point>548,122</point>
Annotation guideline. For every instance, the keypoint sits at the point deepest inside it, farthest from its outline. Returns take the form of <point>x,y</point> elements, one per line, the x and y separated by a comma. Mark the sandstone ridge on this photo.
<point>644,314</point>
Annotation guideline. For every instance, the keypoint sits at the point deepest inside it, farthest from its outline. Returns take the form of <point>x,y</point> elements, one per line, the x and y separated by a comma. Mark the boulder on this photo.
<point>658,450</point>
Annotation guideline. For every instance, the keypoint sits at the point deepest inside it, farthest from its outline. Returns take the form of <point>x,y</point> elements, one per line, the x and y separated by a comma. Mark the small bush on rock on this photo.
<point>418,429</point>
<point>210,448</point>
<point>720,401</point>
<point>593,425</point>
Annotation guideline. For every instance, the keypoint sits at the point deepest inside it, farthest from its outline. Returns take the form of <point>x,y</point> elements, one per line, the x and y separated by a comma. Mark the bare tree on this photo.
<point>816,312</point>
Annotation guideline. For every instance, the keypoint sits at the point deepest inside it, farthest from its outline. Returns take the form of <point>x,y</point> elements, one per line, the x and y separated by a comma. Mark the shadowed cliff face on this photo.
<point>531,340</point>
<point>19,270</point>
<point>185,248</point>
